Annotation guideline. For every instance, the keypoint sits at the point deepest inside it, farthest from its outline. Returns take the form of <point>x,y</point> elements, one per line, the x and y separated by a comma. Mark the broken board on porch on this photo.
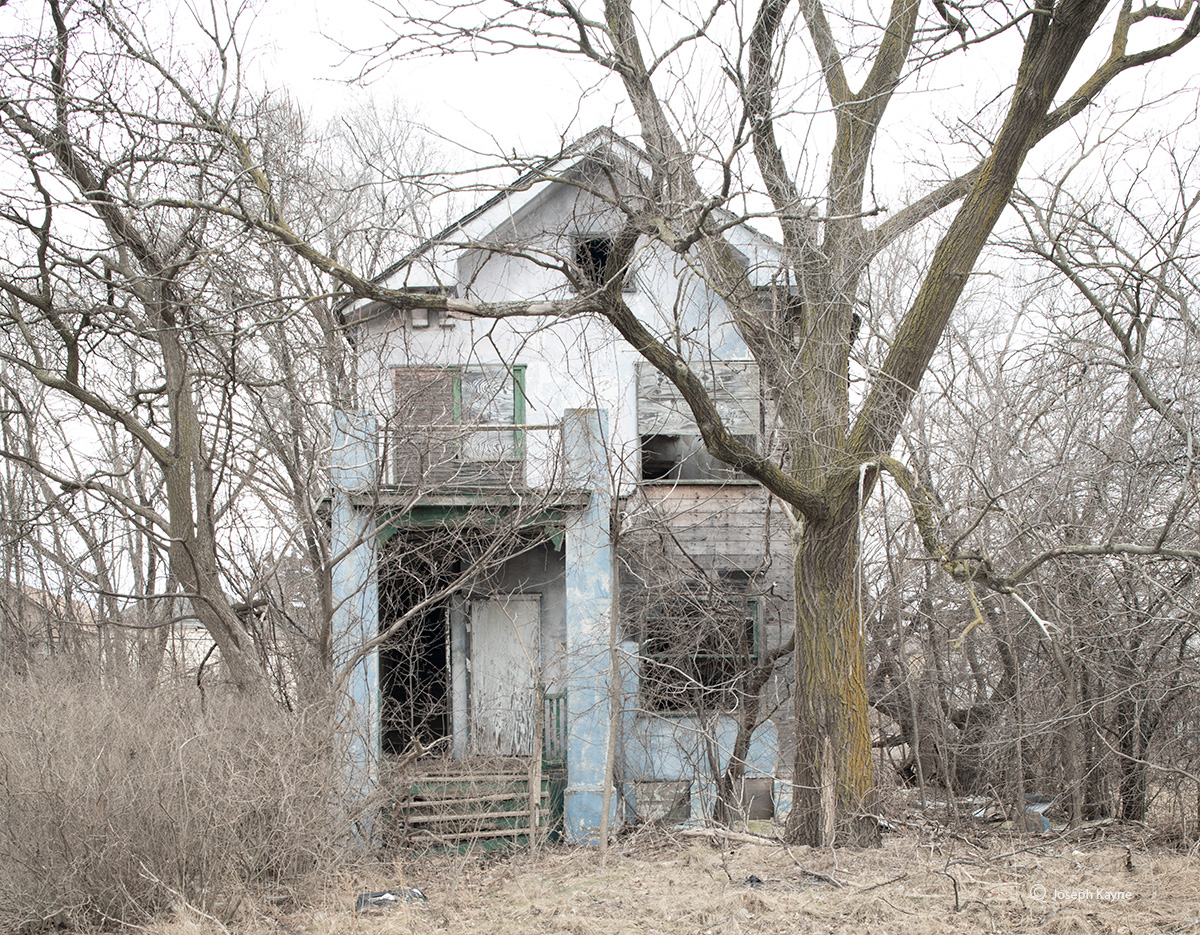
<point>478,803</point>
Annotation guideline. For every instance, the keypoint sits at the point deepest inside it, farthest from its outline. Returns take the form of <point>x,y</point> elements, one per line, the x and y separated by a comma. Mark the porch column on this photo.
<point>354,471</point>
<point>589,588</point>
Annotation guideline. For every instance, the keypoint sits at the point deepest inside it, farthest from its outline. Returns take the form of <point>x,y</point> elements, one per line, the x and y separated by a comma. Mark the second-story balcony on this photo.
<point>437,457</point>
<point>458,427</point>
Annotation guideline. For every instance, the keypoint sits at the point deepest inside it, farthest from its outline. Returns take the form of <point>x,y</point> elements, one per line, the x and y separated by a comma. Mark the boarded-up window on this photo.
<point>456,426</point>
<point>671,447</point>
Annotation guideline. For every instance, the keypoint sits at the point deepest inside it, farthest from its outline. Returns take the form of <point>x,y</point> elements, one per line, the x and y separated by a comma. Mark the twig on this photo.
<point>897,908</point>
<point>876,886</point>
<point>153,878</point>
<point>741,837</point>
<point>816,875</point>
<point>947,873</point>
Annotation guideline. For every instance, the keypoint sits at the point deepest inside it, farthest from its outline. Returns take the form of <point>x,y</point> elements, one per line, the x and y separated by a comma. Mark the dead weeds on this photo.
<point>922,880</point>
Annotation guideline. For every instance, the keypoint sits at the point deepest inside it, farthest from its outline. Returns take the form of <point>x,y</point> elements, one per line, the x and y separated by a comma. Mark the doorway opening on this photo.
<point>414,662</point>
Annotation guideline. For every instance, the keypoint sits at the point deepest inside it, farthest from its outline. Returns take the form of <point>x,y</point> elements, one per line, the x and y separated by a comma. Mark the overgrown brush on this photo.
<point>118,803</point>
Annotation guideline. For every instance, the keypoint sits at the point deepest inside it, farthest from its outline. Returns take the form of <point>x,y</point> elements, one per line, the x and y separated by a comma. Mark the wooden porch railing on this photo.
<point>554,729</point>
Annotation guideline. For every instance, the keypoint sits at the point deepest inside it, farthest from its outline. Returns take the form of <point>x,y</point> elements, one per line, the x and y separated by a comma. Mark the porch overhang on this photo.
<point>399,509</point>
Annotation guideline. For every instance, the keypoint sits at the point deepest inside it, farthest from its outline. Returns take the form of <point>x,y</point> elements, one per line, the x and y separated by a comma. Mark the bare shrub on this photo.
<point>118,803</point>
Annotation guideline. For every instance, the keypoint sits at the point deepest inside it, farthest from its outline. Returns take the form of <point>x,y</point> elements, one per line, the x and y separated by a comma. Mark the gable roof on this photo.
<point>601,140</point>
<point>600,143</point>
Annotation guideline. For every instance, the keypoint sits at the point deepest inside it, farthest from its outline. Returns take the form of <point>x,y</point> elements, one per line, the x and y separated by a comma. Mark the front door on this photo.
<point>504,663</point>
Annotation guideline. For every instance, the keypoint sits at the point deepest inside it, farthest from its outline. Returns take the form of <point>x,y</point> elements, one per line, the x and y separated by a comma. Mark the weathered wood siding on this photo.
<point>734,386</point>
<point>731,526</point>
<point>732,533</point>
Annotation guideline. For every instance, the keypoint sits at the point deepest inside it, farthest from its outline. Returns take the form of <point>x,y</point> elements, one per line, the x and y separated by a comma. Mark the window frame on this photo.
<point>690,683</point>
<point>457,431</point>
<point>516,373</point>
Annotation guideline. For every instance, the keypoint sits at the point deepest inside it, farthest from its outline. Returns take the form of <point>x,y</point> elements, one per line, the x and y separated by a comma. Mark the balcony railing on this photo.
<point>434,457</point>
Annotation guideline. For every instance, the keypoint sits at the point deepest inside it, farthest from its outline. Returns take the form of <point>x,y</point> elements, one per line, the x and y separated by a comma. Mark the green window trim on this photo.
<point>517,372</point>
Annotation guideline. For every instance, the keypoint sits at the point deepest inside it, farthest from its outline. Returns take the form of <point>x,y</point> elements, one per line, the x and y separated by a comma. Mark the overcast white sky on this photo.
<point>528,101</point>
<point>524,101</point>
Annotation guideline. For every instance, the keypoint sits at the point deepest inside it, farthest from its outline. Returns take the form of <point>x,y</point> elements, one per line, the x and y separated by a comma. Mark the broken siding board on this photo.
<point>689,498</point>
<point>720,529</point>
<point>732,504</point>
<point>720,522</point>
<point>733,385</point>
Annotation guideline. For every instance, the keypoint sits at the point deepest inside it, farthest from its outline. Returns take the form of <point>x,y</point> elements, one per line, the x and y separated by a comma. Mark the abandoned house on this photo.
<point>551,577</point>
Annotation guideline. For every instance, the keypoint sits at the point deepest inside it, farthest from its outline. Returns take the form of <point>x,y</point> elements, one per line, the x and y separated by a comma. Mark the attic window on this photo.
<point>591,256</point>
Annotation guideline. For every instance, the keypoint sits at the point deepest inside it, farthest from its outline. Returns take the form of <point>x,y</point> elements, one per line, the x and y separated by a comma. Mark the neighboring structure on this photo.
<point>526,511</point>
<point>36,624</point>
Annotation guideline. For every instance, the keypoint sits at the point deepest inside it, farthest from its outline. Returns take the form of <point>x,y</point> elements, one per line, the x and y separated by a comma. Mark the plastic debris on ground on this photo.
<point>387,899</point>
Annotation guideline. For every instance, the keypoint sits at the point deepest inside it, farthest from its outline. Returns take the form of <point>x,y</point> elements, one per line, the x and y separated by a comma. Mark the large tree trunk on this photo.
<point>833,779</point>
<point>193,550</point>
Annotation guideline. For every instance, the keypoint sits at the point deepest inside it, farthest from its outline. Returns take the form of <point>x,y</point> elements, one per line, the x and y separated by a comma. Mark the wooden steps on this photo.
<point>450,804</point>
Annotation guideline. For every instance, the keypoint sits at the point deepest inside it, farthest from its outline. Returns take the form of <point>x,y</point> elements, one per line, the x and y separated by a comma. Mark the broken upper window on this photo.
<point>591,257</point>
<point>695,650</point>
<point>458,425</point>
<point>671,447</point>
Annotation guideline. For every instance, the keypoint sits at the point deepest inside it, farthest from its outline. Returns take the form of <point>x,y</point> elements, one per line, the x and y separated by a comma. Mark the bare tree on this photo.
<point>158,193</point>
<point>186,361</point>
<point>1060,444</point>
<point>97,269</point>
<point>1125,253</point>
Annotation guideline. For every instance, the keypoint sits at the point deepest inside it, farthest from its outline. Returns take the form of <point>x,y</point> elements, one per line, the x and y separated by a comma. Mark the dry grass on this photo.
<point>658,883</point>
<point>117,803</point>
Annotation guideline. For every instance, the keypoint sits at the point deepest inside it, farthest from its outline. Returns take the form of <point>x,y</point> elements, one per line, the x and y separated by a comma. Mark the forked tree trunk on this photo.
<point>833,779</point>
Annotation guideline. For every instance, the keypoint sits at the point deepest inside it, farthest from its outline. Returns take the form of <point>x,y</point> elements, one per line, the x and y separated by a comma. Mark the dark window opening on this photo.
<point>592,253</point>
<point>695,651</point>
<point>684,458</point>
<point>591,256</point>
